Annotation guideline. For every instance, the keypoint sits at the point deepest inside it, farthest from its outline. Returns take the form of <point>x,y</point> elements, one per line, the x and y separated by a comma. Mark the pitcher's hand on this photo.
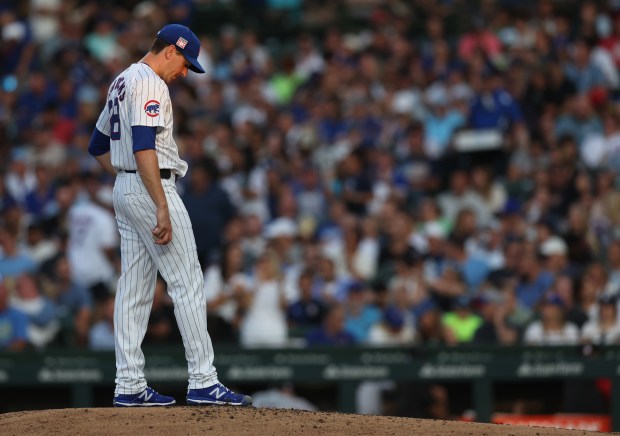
<point>162,233</point>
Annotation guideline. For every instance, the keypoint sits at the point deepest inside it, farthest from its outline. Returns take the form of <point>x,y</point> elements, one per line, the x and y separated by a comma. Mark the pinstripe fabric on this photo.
<point>139,97</point>
<point>178,265</point>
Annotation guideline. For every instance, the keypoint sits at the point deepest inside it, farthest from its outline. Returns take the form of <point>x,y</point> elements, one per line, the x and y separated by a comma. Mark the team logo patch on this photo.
<point>181,42</point>
<point>151,108</point>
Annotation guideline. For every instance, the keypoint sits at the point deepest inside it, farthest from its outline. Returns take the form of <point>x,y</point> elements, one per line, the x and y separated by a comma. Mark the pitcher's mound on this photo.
<point>223,420</point>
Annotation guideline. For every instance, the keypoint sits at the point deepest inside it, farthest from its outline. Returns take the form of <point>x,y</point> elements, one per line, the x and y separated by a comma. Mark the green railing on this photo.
<point>344,367</point>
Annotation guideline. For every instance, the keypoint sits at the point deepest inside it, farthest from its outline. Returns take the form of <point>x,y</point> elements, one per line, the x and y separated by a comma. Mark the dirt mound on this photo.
<point>242,421</point>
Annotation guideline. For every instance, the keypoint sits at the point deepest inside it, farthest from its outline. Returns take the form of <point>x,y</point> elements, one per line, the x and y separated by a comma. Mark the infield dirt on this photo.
<point>226,420</point>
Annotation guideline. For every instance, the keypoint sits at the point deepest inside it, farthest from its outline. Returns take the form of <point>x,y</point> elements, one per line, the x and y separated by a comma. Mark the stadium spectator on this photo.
<point>74,303</point>
<point>552,327</point>
<point>14,261</point>
<point>332,332</point>
<point>492,191</point>
<point>605,212</point>
<point>392,330</point>
<point>605,331</point>
<point>281,234</point>
<point>613,266</point>
<point>555,255</point>
<point>332,287</point>
<point>479,40</point>
<point>460,324</point>
<point>307,312</point>
<point>360,312</point>
<point>38,200</point>
<point>43,324</point>
<point>397,245</point>
<point>579,238</point>
<point>441,122</point>
<point>253,242</point>
<point>421,172</point>
<point>461,196</point>
<point>93,235</point>
<point>101,335</point>
<point>495,327</point>
<point>38,247</point>
<point>225,284</point>
<point>310,194</point>
<point>582,69</point>
<point>365,260</point>
<point>406,286</point>
<point>264,305</point>
<point>564,287</point>
<point>534,281</point>
<point>13,324</point>
<point>493,107</point>
<point>434,252</point>
<point>578,120</point>
<point>429,328</point>
<point>447,287</point>
<point>209,209</point>
<point>472,268</point>
<point>56,221</point>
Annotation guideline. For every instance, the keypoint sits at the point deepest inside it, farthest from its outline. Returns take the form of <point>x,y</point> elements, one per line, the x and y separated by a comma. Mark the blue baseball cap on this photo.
<point>554,299</point>
<point>393,317</point>
<point>185,41</point>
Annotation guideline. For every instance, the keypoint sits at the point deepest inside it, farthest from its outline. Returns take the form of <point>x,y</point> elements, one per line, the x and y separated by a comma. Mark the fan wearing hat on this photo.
<point>552,327</point>
<point>392,330</point>
<point>605,330</point>
<point>361,314</point>
<point>555,252</point>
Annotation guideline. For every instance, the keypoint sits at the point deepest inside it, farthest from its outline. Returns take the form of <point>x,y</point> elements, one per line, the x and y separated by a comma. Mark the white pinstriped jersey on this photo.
<point>139,97</point>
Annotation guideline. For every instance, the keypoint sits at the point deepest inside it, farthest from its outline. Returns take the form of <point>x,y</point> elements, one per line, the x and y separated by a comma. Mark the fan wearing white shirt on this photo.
<point>552,327</point>
<point>225,283</point>
<point>605,330</point>
<point>264,323</point>
<point>93,240</point>
<point>392,330</point>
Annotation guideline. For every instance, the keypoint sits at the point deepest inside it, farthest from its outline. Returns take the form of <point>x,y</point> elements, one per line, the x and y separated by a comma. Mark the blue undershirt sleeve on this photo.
<point>143,137</point>
<point>99,143</point>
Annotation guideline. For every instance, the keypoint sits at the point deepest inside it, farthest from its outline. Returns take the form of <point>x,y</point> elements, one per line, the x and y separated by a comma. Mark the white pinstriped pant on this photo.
<point>178,264</point>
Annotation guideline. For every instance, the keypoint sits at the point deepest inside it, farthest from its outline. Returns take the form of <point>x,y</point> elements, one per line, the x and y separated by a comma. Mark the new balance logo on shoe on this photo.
<point>146,395</point>
<point>146,398</point>
<point>217,393</point>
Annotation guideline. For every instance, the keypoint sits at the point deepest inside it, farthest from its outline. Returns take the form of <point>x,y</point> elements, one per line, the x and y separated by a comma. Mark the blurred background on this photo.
<point>363,173</point>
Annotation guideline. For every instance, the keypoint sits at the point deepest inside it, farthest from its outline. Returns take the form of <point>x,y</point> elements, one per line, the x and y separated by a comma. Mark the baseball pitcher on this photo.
<point>133,140</point>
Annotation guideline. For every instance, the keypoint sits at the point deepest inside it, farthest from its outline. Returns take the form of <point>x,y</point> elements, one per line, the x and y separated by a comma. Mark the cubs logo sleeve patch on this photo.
<point>149,101</point>
<point>151,108</point>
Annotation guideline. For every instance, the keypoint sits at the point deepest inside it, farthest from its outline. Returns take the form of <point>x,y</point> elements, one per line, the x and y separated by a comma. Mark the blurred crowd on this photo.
<point>401,183</point>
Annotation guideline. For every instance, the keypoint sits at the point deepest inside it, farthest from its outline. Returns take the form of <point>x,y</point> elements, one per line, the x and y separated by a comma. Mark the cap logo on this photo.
<point>181,42</point>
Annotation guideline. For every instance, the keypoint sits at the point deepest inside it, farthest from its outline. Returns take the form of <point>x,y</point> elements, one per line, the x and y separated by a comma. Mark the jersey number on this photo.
<point>115,120</point>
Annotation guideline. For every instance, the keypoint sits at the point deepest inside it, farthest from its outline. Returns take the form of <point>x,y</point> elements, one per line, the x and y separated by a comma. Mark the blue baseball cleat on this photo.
<point>147,398</point>
<point>217,394</point>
